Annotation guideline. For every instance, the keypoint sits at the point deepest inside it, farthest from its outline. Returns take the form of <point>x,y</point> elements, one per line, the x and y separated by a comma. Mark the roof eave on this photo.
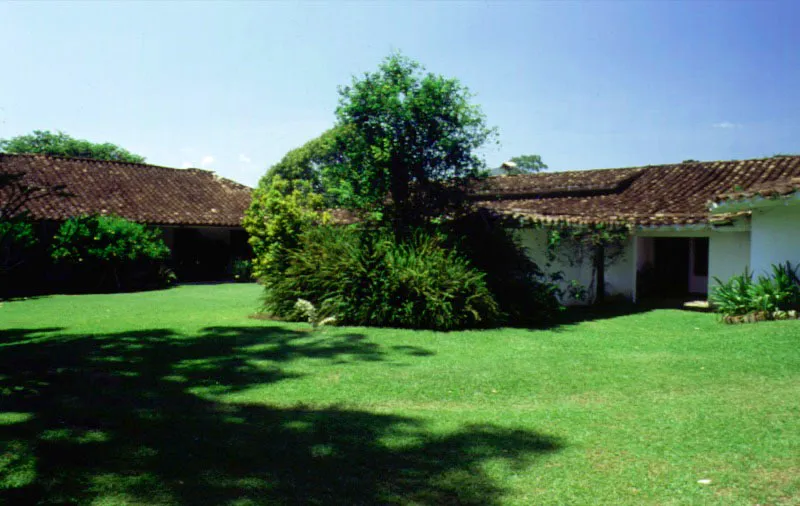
<point>755,202</point>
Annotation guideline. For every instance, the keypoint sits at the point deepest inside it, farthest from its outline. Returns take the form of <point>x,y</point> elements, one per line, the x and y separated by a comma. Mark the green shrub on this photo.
<point>111,253</point>
<point>242,270</point>
<point>732,298</point>
<point>277,216</point>
<point>368,278</point>
<point>742,294</point>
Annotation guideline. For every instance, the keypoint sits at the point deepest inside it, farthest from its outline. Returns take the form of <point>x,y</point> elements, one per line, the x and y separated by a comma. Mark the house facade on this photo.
<point>688,224</point>
<point>198,213</point>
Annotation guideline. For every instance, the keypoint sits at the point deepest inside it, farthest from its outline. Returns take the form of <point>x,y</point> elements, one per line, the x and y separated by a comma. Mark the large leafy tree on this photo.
<point>409,138</point>
<point>60,144</point>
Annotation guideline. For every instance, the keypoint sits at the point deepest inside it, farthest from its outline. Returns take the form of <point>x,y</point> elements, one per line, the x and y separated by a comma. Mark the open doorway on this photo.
<point>672,267</point>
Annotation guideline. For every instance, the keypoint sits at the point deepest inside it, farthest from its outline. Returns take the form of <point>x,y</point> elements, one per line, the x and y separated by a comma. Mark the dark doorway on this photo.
<point>671,267</point>
<point>199,258</point>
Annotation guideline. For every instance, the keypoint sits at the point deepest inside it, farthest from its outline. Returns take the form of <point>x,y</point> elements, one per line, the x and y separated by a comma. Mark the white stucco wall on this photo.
<point>775,237</point>
<point>728,255</point>
<point>620,278</point>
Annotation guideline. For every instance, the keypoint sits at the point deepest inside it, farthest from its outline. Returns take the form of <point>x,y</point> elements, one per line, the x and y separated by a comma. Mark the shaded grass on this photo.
<point>176,397</point>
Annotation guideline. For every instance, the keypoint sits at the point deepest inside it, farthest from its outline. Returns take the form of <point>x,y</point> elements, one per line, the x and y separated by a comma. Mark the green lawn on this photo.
<point>177,397</point>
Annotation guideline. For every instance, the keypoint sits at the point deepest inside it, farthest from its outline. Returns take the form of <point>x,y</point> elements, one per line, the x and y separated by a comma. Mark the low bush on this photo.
<point>369,278</point>
<point>766,296</point>
<point>108,253</point>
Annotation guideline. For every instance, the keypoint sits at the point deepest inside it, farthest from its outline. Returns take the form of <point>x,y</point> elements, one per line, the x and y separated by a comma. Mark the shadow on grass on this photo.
<point>580,314</point>
<point>114,418</point>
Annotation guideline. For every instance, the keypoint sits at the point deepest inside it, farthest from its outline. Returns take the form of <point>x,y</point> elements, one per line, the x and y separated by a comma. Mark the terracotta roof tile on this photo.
<point>143,193</point>
<point>662,195</point>
<point>766,189</point>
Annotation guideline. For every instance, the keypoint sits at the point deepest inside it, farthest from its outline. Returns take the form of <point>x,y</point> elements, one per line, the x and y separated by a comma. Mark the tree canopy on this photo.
<point>523,164</point>
<point>406,135</point>
<point>45,142</point>
<point>306,163</point>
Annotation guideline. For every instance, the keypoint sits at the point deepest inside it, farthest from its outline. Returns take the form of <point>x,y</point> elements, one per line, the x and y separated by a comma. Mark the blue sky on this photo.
<point>233,86</point>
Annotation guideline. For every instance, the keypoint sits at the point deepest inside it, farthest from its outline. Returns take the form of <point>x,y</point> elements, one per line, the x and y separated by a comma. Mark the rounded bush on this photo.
<point>369,278</point>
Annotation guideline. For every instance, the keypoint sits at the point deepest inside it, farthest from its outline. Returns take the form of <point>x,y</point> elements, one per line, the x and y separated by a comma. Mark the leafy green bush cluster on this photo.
<point>743,294</point>
<point>278,214</point>
<point>111,253</point>
<point>369,278</point>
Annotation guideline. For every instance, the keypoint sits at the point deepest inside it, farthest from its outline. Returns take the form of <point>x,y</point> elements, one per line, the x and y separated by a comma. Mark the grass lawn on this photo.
<point>177,397</point>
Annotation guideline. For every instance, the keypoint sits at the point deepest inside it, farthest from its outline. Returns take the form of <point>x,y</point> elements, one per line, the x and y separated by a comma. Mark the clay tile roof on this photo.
<point>661,195</point>
<point>766,189</point>
<point>139,192</point>
<point>554,183</point>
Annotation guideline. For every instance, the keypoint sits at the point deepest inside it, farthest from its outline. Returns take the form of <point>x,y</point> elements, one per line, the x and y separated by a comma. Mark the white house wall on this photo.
<point>728,254</point>
<point>776,237</point>
<point>620,277</point>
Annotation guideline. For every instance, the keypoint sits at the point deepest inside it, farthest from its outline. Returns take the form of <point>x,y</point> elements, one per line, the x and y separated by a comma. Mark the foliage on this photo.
<point>60,144</point>
<point>242,270</point>
<point>732,298</point>
<point>574,244</point>
<point>576,291</point>
<point>523,294</point>
<point>108,252</point>
<point>17,238</point>
<point>369,278</point>
<point>313,316</point>
<point>307,163</point>
<point>411,136</point>
<point>277,215</point>
<point>523,164</point>
<point>767,295</point>
<point>17,235</point>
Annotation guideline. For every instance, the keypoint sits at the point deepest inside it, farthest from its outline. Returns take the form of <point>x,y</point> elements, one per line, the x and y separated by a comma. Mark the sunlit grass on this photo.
<point>177,397</point>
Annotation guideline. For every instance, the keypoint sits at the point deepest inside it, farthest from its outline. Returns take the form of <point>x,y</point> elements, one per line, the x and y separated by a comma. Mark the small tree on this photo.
<point>524,164</point>
<point>411,140</point>
<point>108,251</point>
<point>45,142</point>
<point>278,214</point>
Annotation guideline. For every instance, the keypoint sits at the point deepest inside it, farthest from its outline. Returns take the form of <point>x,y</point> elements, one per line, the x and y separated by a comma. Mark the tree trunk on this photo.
<point>600,269</point>
<point>400,179</point>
